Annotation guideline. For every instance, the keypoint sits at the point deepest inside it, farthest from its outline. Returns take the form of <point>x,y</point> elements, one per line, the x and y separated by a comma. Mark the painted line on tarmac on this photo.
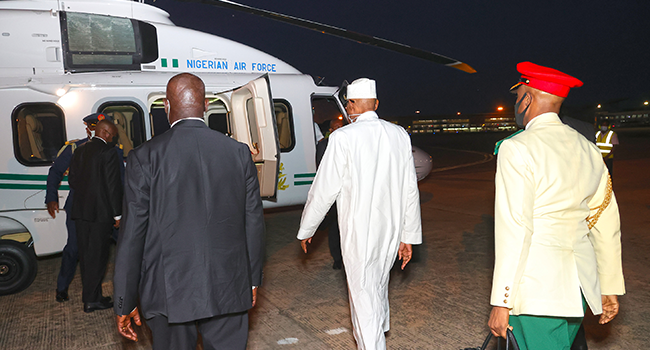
<point>486,158</point>
<point>336,331</point>
<point>288,341</point>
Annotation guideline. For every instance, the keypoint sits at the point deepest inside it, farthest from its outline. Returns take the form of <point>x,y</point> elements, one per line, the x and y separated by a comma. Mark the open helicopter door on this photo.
<point>253,120</point>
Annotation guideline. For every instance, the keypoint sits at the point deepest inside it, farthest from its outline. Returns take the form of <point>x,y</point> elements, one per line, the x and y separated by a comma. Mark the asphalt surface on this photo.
<point>441,300</point>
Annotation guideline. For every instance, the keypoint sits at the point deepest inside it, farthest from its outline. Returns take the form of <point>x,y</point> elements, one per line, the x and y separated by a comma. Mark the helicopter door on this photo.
<point>253,123</point>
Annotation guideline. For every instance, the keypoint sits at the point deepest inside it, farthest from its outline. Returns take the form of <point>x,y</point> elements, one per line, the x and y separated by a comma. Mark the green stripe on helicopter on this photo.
<point>304,179</point>
<point>27,186</point>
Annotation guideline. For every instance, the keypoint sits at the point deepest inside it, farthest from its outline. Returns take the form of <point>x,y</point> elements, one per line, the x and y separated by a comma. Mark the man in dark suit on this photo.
<point>333,234</point>
<point>585,129</point>
<point>191,245</point>
<point>57,172</point>
<point>95,179</point>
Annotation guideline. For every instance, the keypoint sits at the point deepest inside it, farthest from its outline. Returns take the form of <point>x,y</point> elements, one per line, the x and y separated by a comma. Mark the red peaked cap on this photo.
<point>546,79</point>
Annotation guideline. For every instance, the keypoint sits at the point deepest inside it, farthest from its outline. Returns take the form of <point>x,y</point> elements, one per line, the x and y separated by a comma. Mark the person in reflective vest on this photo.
<point>607,140</point>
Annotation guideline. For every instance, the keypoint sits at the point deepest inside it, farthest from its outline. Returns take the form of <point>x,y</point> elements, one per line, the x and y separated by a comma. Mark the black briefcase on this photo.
<point>511,342</point>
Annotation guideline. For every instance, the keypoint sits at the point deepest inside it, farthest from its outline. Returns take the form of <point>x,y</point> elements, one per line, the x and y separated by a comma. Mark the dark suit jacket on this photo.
<point>62,164</point>
<point>191,241</point>
<point>321,146</point>
<point>95,178</point>
<point>584,128</point>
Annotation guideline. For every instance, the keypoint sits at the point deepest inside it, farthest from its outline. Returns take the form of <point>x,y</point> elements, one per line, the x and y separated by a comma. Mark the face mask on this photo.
<point>603,128</point>
<point>519,117</point>
<point>90,132</point>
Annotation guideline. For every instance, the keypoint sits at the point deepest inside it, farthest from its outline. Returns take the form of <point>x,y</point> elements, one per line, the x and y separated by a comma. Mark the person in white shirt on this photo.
<point>368,170</point>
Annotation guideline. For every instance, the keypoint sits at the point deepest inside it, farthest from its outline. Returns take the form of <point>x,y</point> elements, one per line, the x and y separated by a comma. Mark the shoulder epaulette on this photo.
<point>72,143</point>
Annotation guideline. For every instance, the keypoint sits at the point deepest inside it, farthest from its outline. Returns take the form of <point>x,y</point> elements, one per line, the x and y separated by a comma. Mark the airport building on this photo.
<point>481,122</point>
<point>625,119</point>
<point>504,121</point>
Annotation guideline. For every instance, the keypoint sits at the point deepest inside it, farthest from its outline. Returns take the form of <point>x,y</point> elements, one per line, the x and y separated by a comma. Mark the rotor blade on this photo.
<point>343,33</point>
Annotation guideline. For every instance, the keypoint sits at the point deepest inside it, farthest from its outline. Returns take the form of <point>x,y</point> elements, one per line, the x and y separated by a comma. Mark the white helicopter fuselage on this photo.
<point>62,60</point>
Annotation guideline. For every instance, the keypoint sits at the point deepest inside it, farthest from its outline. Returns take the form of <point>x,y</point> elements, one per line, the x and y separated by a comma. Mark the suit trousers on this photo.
<point>228,331</point>
<point>580,342</point>
<point>334,236</point>
<point>93,239</point>
<point>69,257</point>
<point>609,162</point>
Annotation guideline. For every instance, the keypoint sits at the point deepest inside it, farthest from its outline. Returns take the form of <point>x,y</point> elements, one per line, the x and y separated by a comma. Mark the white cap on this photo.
<point>362,88</point>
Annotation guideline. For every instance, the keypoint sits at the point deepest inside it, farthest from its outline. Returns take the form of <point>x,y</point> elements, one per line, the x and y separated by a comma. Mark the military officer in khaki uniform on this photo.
<point>557,228</point>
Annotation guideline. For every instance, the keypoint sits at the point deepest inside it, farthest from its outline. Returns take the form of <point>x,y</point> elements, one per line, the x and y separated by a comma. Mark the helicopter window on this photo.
<point>128,118</point>
<point>95,42</point>
<point>149,39</point>
<point>252,121</point>
<point>217,117</point>
<point>39,133</point>
<point>159,121</point>
<point>284,120</point>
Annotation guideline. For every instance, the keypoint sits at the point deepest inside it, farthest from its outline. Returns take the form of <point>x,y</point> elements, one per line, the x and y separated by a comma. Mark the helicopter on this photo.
<point>62,60</point>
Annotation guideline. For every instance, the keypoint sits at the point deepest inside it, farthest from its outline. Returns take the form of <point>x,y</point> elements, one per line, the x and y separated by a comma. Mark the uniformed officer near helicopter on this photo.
<point>557,226</point>
<point>57,172</point>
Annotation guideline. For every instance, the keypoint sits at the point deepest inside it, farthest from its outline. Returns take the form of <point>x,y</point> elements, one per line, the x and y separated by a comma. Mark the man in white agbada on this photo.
<point>368,170</point>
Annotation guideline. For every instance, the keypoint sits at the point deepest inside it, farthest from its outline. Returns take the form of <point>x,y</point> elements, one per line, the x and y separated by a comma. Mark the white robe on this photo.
<point>368,170</point>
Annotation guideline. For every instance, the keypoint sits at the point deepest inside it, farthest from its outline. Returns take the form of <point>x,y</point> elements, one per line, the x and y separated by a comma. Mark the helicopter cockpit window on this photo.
<point>38,132</point>
<point>128,118</point>
<point>95,42</point>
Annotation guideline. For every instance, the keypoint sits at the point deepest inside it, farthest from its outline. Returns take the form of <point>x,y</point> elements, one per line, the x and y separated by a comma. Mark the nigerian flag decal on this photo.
<point>164,62</point>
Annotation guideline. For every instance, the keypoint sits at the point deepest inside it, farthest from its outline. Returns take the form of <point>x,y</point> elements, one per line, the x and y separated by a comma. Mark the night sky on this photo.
<point>606,44</point>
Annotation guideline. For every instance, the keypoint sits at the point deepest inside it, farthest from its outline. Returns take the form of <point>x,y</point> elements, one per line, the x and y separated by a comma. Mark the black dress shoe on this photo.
<point>62,295</point>
<point>337,265</point>
<point>104,303</point>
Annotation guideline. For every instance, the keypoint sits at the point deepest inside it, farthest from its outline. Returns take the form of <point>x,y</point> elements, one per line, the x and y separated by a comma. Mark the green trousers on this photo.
<point>545,332</point>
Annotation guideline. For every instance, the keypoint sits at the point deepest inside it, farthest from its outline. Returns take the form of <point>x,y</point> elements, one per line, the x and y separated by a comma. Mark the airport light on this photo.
<point>457,113</point>
<point>417,112</point>
<point>500,108</point>
<point>645,103</point>
<point>599,106</point>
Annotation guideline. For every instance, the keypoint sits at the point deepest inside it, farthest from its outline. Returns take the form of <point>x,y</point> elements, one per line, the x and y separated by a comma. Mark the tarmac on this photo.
<point>440,301</point>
